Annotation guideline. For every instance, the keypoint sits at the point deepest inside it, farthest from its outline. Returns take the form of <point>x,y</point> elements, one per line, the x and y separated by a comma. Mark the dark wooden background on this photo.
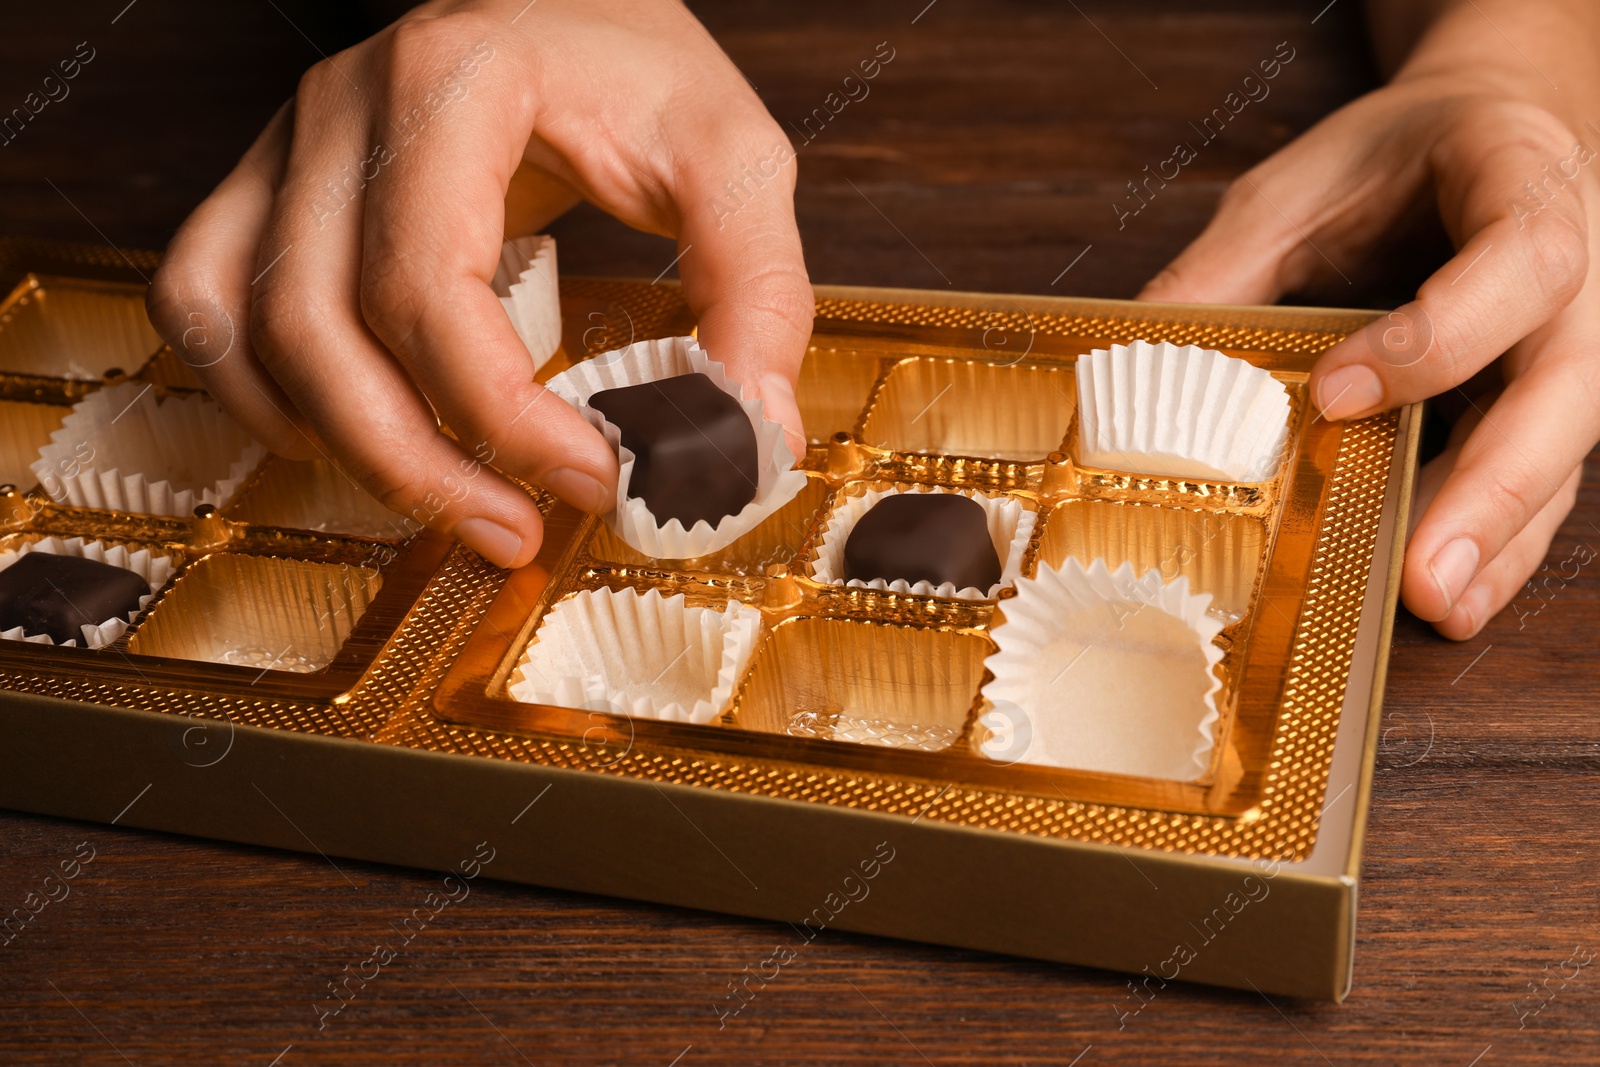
<point>995,142</point>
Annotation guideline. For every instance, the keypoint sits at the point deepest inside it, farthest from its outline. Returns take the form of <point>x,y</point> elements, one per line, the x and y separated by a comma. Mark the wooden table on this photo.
<point>985,158</point>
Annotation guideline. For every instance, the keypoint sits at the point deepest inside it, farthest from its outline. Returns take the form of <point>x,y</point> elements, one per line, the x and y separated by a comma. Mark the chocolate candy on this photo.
<point>59,595</point>
<point>694,448</point>
<point>924,537</point>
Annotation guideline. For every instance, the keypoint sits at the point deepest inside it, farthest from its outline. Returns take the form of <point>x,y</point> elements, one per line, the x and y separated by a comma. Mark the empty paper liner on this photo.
<point>1010,523</point>
<point>649,361</point>
<point>1218,552</point>
<point>966,407</point>
<point>1180,411</point>
<point>886,685</point>
<point>1103,671</point>
<point>262,612</point>
<point>648,656</point>
<point>528,289</point>
<point>128,449</point>
<point>25,429</point>
<point>153,565</point>
<point>316,495</point>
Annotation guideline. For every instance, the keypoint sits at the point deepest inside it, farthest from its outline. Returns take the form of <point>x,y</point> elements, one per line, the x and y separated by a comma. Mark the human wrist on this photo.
<point>1546,54</point>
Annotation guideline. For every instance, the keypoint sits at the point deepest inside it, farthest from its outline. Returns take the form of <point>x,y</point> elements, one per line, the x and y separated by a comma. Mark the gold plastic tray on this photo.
<point>890,375</point>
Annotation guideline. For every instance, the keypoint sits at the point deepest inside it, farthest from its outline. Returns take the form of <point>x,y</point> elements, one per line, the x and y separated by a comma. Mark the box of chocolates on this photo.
<point>1075,609</point>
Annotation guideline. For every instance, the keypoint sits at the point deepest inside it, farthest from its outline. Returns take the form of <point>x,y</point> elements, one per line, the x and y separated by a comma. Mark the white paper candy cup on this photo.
<point>649,361</point>
<point>1180,412</point>
<point>123,448</point>
<point>153,567</point>
<point>1103,671</point>
<point>528,289</point>
<point>1010,526</point>
<point>648,656</point>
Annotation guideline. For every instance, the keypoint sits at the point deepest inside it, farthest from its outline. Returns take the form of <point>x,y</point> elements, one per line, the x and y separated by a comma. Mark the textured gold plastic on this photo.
<point>425,665</point>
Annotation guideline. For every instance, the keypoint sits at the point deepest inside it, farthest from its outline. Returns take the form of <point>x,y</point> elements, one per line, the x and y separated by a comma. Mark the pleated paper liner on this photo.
<point>25,428</point>
<point>74,328</point>
<point>964,407</point>
<point>261,612</point>
<point>316,495</point>
<point>1218,552</point>
<point>153,563</point>
<point>630,519</point>
<point>1180,411</point>
<point>644,655</point>
<point>1103,670</point>
<point>776,541</point>
<point>126,448</point>
<point>886,685</point>
<point>1010,520</point>
<point>527,286</point>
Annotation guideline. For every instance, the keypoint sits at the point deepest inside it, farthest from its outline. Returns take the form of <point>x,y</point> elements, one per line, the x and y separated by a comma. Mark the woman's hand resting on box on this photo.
<point>333,292</point>
<point>1512,161</point>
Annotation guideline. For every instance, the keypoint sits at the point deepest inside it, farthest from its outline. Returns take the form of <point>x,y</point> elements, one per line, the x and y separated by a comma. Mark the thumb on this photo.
<point>1286,221</point>
<point>744,275</point>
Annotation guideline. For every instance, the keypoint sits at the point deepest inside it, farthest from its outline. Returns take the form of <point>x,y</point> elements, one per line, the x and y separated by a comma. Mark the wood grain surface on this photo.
<point>986,157</point>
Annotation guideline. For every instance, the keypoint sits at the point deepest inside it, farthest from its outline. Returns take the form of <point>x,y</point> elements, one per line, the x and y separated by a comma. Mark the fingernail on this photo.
<point>1453,567</point>
<point>490,540</point>
<point>780,404</point>
<point>1474,605</point>
<point>580,490</point>
<point>1349,390</point>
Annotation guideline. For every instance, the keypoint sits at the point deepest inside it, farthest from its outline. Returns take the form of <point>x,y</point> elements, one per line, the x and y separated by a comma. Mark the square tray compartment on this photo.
<point>260,612</point>
<point>315,495</point>
<point>833,390</point>
<point>969,407</point>
<point>25,427</point>
<point>893,686</point>
<point>1219,552</point>
<point>75,329</point>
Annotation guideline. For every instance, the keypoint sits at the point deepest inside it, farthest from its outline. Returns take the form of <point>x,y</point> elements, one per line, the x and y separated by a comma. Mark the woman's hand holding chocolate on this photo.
<point>334,294</point>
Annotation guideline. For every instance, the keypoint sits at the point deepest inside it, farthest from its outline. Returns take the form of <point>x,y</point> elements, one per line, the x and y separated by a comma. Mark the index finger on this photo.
<point>432,240</point>
<point>744,275</point>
